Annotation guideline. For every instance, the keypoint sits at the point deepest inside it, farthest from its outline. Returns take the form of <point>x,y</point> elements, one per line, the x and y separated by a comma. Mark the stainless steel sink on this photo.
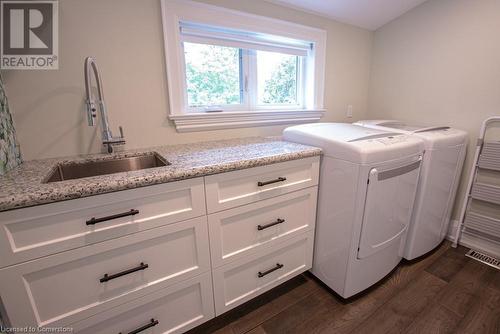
<point>70,171</point>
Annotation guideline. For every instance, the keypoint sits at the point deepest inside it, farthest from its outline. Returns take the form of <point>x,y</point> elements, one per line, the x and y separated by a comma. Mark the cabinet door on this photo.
<point>175,309</point>
<point>388,207</point>
<point>237,232</point>
<point>228,190</point>
<point>73,285</point>
<point>30,233</point>
<point>243,280</point>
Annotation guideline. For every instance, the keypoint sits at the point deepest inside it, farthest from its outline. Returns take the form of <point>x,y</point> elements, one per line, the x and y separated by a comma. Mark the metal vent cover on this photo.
<point>484,258</point>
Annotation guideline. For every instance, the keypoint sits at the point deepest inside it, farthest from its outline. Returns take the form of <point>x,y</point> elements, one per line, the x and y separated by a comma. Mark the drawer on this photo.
<point>228,190</point>
<point>241,281</point>
<point>43,230</point>
<point>70,286</point>
<point>237,232</point>
<point>175,309</point>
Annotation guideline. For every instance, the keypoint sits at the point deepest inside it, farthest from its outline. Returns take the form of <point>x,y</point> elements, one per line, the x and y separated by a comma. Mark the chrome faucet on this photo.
<point>107,137</point>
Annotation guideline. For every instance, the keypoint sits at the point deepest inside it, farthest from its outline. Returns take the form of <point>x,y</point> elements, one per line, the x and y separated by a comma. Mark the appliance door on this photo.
<point>388,206</point>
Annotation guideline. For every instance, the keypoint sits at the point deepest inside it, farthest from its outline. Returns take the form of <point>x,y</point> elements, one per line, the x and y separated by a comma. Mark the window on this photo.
<point>213,75</point>
<point>229,69</point>
<point>279,79</point>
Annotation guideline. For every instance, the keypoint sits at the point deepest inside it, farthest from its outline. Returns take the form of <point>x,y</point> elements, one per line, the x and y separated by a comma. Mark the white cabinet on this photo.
<point>245,186</point>
<point>145,258</point>
<point>242,280</point>
<point>236,232</point>
<point>261,225</point>
<point>29,233</point>
<point>70,286</point>
<point>171,310</point>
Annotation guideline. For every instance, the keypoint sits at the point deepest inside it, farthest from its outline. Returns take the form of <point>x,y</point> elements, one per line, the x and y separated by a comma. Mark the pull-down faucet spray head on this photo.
<point>91,105</point>
<point>89,101</point>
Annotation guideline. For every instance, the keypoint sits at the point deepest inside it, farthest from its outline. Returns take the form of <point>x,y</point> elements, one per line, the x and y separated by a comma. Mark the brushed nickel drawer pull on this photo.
<point>152,323</point>
<point>263,227</point>
<point>106,277</point>
<point>264,273</point>
<point>265,183</point>
<point>94,220</point>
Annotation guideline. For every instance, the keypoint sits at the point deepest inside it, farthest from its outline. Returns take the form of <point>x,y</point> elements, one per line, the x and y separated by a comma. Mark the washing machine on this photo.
<point>441,169</point>
<point>368,183</point>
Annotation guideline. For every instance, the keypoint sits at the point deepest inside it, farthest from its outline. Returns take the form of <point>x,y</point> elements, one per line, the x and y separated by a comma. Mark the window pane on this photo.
<point>212,75</point>
<point>277,78</point>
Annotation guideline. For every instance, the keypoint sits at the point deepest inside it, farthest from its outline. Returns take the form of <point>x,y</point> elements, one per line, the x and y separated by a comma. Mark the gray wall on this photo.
<point>439,64</point>
<point>126,38</point>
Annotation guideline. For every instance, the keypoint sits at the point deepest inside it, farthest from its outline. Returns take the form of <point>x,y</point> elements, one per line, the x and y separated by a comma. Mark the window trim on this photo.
<point>192,122</point>
<point>175,11</point>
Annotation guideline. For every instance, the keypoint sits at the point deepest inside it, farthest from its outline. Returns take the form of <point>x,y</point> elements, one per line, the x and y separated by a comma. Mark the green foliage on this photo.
<point>281,88</point>
<point>212,74</point>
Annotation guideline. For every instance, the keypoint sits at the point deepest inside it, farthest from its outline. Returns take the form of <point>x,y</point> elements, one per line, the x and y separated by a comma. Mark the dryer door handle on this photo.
<point>433,128</point>
<point>388,174</point>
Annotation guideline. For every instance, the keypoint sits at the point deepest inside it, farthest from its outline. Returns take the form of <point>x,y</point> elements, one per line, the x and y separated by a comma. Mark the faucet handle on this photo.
<point>91,112</point>
<point>121,132</point>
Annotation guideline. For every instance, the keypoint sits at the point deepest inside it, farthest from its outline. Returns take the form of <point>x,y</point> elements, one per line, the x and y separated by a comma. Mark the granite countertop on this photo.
<point>24,186</point>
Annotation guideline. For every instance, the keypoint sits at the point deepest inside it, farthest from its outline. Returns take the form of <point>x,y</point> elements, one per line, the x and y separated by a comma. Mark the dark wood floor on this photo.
<point>444,292</point>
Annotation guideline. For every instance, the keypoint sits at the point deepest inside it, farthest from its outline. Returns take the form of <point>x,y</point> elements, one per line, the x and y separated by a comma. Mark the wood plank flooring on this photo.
<point>443,292</point>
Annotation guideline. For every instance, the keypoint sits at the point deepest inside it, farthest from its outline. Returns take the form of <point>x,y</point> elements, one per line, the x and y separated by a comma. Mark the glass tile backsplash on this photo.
<point>10,155</point>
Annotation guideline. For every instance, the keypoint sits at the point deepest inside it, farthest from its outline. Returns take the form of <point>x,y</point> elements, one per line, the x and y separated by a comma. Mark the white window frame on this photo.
<point>195,119</point>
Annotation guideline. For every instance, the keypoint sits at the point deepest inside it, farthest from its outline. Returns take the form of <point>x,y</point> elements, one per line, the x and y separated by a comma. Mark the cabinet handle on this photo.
<point>107,277</point>
<point>152,323</point>
<point>94,220</point>
<point>263,227</point>
<point>264,273</point>
<point>265,183</point>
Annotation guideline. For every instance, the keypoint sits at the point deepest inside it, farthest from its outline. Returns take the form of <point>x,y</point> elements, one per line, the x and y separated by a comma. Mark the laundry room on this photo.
<point>260,167</point>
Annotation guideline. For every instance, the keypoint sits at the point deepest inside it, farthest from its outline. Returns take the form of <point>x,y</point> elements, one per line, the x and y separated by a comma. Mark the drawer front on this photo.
<point>67,287</point>
<point>240,231</point>
<point>48,229</point>
<point>228,190</point>
<point>175,309</point>
<point>241,281</point>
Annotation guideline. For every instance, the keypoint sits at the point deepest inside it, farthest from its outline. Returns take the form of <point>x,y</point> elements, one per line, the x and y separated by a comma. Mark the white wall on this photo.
<point>126,38</point>
<point>439,64</point>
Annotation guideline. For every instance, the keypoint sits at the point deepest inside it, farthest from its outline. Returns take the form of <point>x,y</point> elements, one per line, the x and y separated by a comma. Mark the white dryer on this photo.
<point>368,183</point>
<point>441,169</point>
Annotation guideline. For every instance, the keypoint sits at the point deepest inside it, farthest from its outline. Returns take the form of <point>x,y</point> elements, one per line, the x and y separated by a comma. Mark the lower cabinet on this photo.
<point>167,264</point>
<point>64,288</point>
<point>240,231</point>
<point>242,280</point>
<point>172,310</point>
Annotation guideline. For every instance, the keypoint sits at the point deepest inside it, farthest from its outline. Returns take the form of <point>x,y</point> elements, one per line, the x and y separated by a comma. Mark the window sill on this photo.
<point>241,119</point>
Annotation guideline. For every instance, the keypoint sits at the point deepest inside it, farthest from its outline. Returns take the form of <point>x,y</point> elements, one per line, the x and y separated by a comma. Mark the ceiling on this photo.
<point>369,14</point>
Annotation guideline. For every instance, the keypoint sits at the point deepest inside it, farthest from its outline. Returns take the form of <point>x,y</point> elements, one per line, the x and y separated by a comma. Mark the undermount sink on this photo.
<point>71,171</point>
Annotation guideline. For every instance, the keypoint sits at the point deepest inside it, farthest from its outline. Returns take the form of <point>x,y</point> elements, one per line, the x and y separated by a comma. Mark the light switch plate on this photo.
<point>349,111</point>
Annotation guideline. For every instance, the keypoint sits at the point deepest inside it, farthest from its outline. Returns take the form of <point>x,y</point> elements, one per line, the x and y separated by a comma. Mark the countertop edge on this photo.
<point>194,172</point>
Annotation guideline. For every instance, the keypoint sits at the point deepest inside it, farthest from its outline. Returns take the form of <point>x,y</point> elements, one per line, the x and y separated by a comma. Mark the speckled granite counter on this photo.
<point>23,186</point>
